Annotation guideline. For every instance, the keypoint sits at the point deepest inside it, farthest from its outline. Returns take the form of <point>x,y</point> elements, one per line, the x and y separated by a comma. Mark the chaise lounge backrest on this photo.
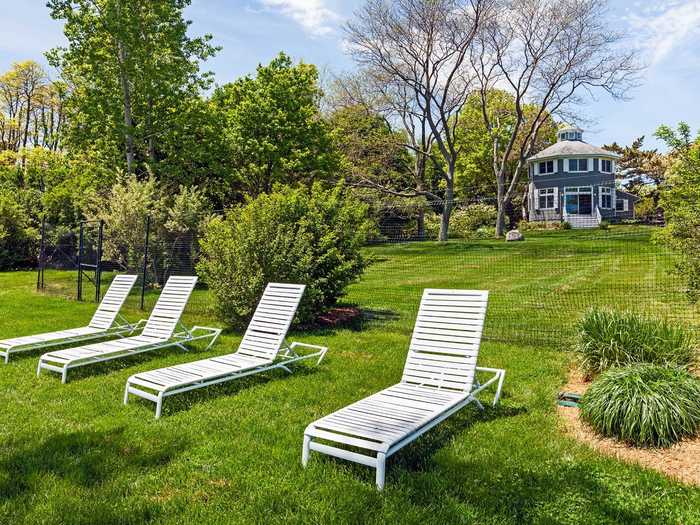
<point>112,302</point>
<point>169,307</point>
<point>446,339</point>
<point>271,321</point>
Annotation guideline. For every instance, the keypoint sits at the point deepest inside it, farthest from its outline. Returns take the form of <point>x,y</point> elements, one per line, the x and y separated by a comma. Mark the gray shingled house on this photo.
<point>574,181</point>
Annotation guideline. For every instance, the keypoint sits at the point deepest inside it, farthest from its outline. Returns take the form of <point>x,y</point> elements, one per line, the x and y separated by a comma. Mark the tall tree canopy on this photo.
<point>133,71</point>
<point>273,128</point>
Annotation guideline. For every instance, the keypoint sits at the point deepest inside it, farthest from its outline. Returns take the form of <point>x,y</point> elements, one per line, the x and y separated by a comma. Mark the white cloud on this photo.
<point>312,15</point>
<point>663,28</point>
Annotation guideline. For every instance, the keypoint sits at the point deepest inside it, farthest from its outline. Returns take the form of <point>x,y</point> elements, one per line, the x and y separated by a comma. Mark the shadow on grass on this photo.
<point>418,456</point>
<point>187,400</point>
<point>86,459</point>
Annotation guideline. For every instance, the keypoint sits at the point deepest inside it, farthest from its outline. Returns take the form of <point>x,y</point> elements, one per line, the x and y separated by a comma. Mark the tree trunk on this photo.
<point>128,121</point>
<point>500,200</point>
<point>447,208</point>
<point>420,220</point>
<point>525,204</point>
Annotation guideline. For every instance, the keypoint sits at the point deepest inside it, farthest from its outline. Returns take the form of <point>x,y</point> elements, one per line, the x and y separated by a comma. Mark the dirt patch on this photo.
<point>681,461</point>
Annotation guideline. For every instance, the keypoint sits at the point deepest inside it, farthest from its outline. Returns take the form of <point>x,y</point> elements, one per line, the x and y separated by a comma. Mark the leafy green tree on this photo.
<point>132,69</point>
<point>17,236</point>
<point>680,199</point>
<point>273,126</point>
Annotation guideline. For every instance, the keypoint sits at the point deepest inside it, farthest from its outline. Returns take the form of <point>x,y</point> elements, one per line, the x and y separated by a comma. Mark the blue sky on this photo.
<point>667,32</point>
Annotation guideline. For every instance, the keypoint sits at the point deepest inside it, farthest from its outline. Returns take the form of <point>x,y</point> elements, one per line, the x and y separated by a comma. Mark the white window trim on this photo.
<point>625,206</point>
<point>600,166</point>
<point>589,163</point>
<point>601,193</point>
<point>555,198</point>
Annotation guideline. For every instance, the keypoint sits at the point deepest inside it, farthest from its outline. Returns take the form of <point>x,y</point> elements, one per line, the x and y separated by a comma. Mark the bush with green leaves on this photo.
<point>310,236</point>
<point>608,338</point>
<point>18,238</point>
<point>475,221</point>
<point>644,404</point>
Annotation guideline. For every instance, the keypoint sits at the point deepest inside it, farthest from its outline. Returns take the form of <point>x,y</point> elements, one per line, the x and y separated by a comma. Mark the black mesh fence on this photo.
<point>539,286</point>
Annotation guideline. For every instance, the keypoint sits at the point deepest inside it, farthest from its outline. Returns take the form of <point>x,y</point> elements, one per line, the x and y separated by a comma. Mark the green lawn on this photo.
<point>231,454</point>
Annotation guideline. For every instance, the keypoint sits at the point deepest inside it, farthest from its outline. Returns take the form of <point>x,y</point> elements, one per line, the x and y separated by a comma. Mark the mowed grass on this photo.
<point>231,454</point>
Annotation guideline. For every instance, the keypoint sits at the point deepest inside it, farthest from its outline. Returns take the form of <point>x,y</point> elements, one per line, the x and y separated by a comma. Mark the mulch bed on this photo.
<point>681,461</point>
<point>340,316</point>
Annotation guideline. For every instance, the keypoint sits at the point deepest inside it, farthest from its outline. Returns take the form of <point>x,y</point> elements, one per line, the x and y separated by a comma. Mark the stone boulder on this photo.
<point>514,235</point>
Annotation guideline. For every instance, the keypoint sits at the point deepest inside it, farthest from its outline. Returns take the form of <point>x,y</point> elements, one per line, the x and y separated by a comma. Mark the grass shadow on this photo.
<point>187,400</point>
<point>86,459</point>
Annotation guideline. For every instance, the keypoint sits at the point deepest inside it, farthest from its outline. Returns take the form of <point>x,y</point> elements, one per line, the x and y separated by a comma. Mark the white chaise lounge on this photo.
<point>439,379</point>
<point>101,325</point>
<point>263,348</point>
<point>159,332</point>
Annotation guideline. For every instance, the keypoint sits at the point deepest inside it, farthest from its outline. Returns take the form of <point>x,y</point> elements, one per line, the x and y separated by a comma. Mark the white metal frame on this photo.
<point>440,365</point>
<point>287,357</point>
<point>101,325</point>
<point>263,348</point>
<point>159,332</point>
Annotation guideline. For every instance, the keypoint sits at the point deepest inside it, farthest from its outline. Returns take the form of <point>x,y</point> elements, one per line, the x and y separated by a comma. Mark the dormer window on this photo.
<point>546,167</point>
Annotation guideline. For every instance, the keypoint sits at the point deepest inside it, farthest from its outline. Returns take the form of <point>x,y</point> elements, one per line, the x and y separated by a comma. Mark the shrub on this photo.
<point>644,404</point>
<point>17,237</point>
<point>307,235</point>
<point>464,222</point>
<point>604,225</point>
<point>524,225</point>
<point>565,225</point>
<point>608,338</point>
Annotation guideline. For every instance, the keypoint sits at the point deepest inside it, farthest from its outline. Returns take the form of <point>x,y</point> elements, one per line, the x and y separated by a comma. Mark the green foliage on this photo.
<point>524,226</point>
<point>604,225</point>
<point>475,177</point>
<point>680,199</point>
<point>644,404</point>
<point>134,74</point>
<point>125,210</point>
<point>465,221</point>
<point>310,236</point>
<point>274,129</point>
<point>17,237</point>
<point>608,338</point>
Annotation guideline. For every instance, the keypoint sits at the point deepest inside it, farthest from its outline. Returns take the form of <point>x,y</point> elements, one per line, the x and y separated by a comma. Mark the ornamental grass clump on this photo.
<point>645,405</point>
<point>607,338</point>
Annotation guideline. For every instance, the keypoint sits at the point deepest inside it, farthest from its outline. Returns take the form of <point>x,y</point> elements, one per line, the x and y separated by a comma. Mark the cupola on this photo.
<point>570,133</point>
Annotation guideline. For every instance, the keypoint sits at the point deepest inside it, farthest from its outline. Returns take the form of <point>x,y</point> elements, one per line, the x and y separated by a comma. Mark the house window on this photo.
<point>606,198</point>
<point>605,166</point>
<point>546,167</point>
<point>578,165</point>
<point>546,199</point>
<point>621,205</point>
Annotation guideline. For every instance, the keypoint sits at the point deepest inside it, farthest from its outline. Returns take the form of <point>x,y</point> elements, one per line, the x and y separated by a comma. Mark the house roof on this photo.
<point>565,148</point>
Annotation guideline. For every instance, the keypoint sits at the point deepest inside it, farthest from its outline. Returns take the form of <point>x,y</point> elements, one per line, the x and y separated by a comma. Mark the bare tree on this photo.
<point>550,54</point>
<point>421,47</point>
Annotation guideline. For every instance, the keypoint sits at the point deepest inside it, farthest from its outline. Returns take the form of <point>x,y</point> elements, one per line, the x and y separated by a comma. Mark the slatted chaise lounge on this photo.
<point>101,325</point>
<point>263,348</point>
<point>159,332</point>
<point>439,379</point>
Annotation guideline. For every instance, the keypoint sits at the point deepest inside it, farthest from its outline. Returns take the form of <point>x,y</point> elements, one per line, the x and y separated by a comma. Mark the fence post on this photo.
<point>145,260</point>
<point>40,266</point>
<point>98,263</point>
<point>80,263</point>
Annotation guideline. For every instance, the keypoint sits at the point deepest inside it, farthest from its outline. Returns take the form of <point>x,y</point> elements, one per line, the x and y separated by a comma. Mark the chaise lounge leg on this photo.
<point>159,405</point>
<point>500,387</point>
<point>126,394</point>
<point>64,376</point>
<point>381,470</point>
<point>306,450</point>
<point>7,357</point>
